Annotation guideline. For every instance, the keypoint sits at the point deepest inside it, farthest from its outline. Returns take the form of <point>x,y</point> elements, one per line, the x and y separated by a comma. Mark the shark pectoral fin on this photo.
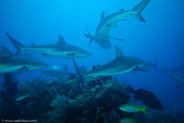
<point>118,39</point>
<point>81,75</point>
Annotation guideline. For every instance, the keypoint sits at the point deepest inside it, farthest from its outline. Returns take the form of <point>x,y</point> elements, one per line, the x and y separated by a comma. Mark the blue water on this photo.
<point>40,22</point>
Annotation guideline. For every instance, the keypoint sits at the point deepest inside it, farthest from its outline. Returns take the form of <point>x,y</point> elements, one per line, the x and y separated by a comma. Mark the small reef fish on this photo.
<point>131,107</point>
<point>22,97</point>
<point>71,80</point>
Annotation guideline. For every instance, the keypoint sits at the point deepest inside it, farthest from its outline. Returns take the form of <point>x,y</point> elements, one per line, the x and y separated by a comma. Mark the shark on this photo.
<point>149,66</point>
<point>107,23</point>
<point>120,65</point>
<point>179,78</point>
<point>60,49</point>
<point>15,64</point>
<point>57,72</point>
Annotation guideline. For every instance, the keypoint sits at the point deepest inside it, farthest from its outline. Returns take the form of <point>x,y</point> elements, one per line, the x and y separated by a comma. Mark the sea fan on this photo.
<point>59,105</point>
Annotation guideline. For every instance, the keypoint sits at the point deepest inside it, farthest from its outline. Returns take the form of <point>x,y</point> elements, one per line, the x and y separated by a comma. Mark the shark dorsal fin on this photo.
<point>65,68</point>
<point>118,52</point>
<point>102,15</point>
<point>5,53</point>
<point>61,40</point>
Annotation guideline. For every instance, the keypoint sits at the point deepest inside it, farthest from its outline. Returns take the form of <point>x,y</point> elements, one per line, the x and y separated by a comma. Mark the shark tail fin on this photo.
<point>81,75</point>
<point>138,9</point>
<point>17,44</point>
<point>88,35</point>
<point>90,39</point>
<point>5,53</point>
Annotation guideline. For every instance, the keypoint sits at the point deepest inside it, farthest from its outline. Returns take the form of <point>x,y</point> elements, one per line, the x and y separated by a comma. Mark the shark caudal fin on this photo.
<point>138,9</point>
<point>81,75</point>
<point>90,39</point>
<point>5,53</point>
<point>17,44</point>
<point>88,35</point>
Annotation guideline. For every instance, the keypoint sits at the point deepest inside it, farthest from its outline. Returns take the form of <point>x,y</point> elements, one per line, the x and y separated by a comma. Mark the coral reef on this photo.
<point>58,101</point>
<point>59,106</point>
<point>100,104</point>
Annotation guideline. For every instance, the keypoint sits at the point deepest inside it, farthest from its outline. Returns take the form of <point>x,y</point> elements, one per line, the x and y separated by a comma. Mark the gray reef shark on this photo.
<point>107,23</point>
<point>179,78</point>
<point>57,72</point>
<point>59,49</point>
<point>120,65</point>
<point>11,64</point>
